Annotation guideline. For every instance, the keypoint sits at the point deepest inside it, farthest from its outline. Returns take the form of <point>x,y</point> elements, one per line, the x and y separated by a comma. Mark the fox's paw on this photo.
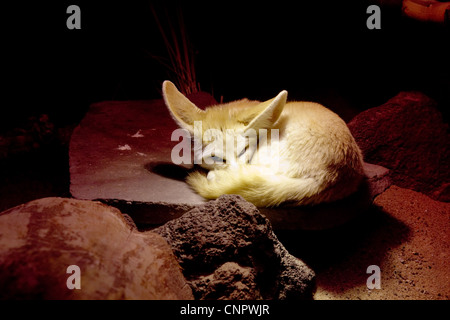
<point>218,175</point>
<point>211,176</point>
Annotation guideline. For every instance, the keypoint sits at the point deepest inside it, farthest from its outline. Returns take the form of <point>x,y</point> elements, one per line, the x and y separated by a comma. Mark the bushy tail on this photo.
<point>263,190</point>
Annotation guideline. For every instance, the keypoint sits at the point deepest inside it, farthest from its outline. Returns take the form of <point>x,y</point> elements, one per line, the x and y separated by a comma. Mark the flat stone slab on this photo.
<point>121,154</point>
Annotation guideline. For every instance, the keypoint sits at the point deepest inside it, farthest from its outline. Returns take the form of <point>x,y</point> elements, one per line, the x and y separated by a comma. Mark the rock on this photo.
<point>377,179</point>
<point>408,136</point>
<point>227,250</point>
<point>230,281</point>
<point>41,239</point>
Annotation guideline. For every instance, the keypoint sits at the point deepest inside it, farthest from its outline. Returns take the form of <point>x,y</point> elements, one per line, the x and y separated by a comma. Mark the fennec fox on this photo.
<point>316,160</point>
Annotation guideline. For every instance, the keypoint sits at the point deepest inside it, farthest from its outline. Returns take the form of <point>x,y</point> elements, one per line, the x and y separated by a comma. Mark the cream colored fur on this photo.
<point>318,159</point>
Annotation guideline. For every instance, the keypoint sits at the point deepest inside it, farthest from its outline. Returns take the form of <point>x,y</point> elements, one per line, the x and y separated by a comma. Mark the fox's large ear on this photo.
<point>265,114</point>
<point>183,111</point>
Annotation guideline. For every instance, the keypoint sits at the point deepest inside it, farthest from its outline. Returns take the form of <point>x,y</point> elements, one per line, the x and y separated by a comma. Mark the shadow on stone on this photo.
<point>168,170</point>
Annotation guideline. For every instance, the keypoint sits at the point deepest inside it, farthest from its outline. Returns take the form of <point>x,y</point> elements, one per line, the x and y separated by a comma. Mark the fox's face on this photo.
<point>223,147</point>
<point>224,135</point>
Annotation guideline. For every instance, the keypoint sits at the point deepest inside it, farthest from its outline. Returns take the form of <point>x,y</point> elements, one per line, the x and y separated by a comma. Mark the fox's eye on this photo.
<point>216,159</point>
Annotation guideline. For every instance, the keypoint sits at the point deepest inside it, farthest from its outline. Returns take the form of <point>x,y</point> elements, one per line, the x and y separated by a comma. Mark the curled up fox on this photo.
<point>271,153</point>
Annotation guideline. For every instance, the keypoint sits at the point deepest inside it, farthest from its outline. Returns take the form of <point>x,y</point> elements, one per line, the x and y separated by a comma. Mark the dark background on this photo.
<point>317,50</point>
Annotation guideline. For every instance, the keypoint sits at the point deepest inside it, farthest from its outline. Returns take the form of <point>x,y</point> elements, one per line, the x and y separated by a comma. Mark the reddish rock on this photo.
<point>408,136</point>
<point>41,239</point>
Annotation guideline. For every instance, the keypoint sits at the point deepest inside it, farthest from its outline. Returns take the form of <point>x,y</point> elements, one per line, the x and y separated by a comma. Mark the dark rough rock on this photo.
<point>39,240</point>
<point>408,136</point>
<point>35,133</point>
<point>230,281</point>
<point>227,250</point>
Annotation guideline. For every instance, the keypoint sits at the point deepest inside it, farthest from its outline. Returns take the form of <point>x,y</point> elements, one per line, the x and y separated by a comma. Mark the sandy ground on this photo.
<point>405,234</point>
